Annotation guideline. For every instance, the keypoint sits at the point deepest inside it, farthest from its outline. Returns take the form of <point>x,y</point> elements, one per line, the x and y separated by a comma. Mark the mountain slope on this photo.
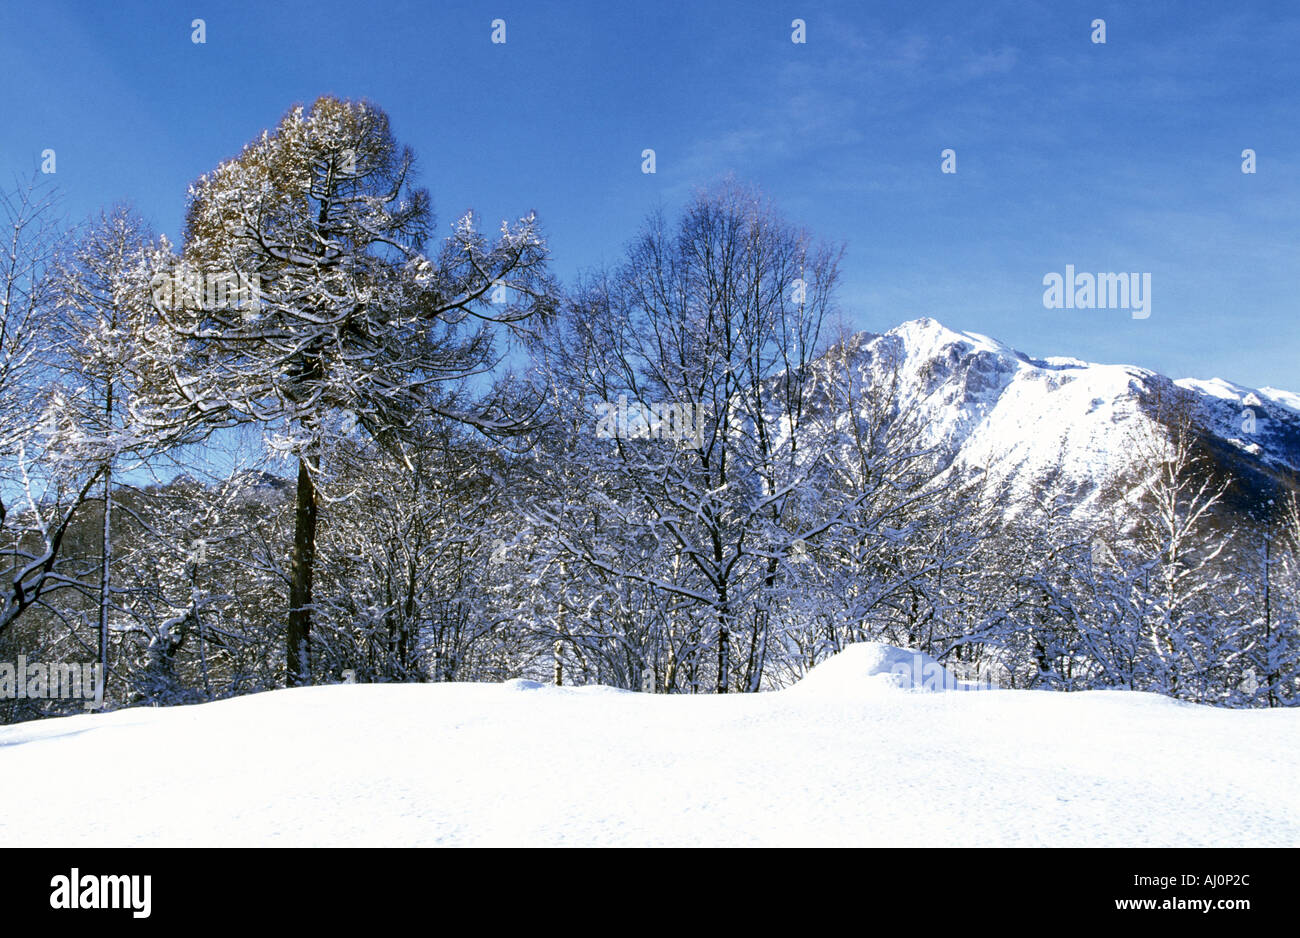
<point>1024,418</point>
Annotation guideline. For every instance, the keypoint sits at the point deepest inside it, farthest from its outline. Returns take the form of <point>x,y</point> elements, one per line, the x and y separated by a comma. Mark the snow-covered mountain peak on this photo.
<point>929,336</point>
<point>997,408</point>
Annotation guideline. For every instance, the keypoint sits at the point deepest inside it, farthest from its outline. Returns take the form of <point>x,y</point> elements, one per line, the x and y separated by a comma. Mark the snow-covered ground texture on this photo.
<point>863,752</point>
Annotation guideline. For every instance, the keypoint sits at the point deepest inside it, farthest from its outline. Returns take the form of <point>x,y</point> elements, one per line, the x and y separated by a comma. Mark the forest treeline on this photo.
<point>318,440</point>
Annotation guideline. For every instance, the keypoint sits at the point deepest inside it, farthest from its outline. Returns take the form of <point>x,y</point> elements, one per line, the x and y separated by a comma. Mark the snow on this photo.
<point>873,667</point>
<point>1286,399</point>
<point>927,338</point>
<point>996,407</point>
<point>1215,387</point>
<point>526,764</point>
<point>1025,417</point>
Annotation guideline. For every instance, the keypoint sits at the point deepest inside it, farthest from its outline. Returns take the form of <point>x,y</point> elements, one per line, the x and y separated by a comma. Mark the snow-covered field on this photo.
<point>845,758</point>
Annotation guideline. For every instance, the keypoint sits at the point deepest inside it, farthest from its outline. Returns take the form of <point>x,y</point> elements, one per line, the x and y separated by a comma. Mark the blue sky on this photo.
<point>1115,157</point>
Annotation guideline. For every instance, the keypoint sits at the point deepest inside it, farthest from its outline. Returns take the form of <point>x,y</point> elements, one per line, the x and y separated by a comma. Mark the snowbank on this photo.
<point>873,667</point>
<point>527,764</point>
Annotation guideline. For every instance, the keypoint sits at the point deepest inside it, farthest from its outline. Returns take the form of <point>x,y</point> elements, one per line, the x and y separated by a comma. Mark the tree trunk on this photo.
<point>724,653</point>
<point>105,577</point>
<point>304,559</point>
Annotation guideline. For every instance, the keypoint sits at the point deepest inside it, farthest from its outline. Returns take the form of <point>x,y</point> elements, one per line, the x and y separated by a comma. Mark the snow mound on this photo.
<point>876,667</point>
<point>519,683</point>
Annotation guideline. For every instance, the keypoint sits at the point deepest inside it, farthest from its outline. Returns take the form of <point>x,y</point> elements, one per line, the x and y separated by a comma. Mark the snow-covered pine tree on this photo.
<point>333,314</point>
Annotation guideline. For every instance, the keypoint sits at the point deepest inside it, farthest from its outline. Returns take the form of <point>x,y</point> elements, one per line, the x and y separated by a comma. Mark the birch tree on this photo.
<point>696,349</point>
<point>43,483</point>
<point>103,311</point>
